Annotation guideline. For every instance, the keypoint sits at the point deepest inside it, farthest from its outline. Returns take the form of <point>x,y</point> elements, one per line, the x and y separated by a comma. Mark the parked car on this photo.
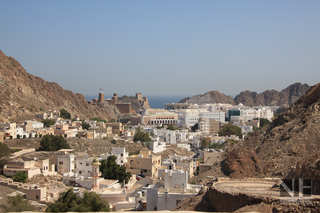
<point>141,175</point>
<point>138,177</point>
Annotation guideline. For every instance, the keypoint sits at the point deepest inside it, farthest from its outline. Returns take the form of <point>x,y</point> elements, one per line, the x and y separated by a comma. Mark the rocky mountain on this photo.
<point>285,97</point>
<point>289,146</point>
<point>23,94</point>
<point>209,97</point>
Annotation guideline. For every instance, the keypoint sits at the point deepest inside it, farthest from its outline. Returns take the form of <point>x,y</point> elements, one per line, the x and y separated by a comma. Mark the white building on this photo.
<point>66,161</point>
<point>176,190</point>
<point>121,154</point>
<point>83,165</point>
<point>184,145</point>
<point>157,146</point>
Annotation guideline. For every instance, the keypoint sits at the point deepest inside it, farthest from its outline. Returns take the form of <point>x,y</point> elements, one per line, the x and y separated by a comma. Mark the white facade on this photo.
<point>204,126</point>
<point>65,161</point>
<point>184,145</point>
<point>121,154</point>
<point>218,116</point>
<point>176,190</point>
<point>182,135</point>
<point>157,146</point>
<point>83,166</point>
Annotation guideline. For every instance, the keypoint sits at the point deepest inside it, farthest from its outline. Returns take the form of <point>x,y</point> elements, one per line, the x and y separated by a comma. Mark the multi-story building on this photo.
<point>158,117</point>
<point>83,165</point>
<point>175,106</point>
<point>145,163</point>
<point>117,128</point>
<point>9,129</point>
<point>121,154</point>
<point>31,125</point>
<point>30,168</point>
<point>65,161</point>
<point>176,189</point>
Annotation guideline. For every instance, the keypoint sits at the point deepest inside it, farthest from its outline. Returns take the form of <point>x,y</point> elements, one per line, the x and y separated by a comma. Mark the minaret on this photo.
<point>95,173</point>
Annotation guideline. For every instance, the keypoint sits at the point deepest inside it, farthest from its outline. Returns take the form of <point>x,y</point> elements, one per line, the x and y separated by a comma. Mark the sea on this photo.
<point>156,102</point>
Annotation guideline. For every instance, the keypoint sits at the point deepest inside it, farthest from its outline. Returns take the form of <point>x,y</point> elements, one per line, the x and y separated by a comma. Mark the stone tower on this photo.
<point>95,173</point>
<point>115,98</point>
<point>101,97</point>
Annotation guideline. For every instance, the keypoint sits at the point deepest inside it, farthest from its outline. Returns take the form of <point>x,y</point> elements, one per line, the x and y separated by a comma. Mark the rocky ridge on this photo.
<point>285,97</point>
<point>289,145</point>
<point>23,94</point>
<point>209,97</point>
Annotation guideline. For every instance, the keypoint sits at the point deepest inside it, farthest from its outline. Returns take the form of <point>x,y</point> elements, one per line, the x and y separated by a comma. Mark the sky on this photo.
<point>165,47</point>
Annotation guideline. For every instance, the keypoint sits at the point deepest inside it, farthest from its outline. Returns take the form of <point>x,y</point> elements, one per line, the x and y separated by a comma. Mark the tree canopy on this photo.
<point>18,204</point>
<point>195,127</point>
<point>98,119</point>
<point>4,150</point>
<point>70,202</point>
<point>65,114</point>
<point>85,125</point>
<point>20,177</point>
<point>48,122</point>
<point>264,122</point>
<point>53,143</point>
<point>171,127</point>
<point>230,130</point>
<point>111,170</point>
<point>141,136</point>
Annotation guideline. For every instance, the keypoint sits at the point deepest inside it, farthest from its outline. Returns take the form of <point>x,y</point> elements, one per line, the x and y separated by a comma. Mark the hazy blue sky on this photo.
<point>173,47</point>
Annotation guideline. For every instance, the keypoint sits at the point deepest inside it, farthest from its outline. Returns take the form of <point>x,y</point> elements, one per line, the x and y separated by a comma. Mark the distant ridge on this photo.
<point>285,97</point>
<point>23,94</point>
<point>209,97</point>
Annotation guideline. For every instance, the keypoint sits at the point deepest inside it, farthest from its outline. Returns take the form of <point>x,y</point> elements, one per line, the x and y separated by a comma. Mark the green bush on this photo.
<point>111,170</point>
<point>141,136</point>
<point>98,119</point>
<point>20,177</point>
<point>48,122</point>
<point>53,143</point>
<point>70,202</point>
<point>18,204</point>
<point>230,130</point>
<point>65,114</point>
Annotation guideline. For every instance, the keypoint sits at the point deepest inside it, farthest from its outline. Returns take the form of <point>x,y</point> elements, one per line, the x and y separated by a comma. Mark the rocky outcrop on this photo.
<point>209,97</point>
<point>241,163</point>
<point>286,97</point>
<point>23,94</point>
<point>290,138</point>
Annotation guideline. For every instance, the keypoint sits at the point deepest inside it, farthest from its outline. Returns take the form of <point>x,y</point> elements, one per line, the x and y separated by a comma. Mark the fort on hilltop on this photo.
<point>124,104</point>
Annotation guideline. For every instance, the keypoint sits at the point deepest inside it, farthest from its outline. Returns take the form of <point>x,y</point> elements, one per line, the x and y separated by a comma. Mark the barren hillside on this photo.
<point>23,94</point>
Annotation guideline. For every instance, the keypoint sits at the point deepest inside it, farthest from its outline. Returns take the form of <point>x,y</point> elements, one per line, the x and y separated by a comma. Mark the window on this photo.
<point>87,164</point>
<point>60,162</point>
<point>37,197</point>
<point>178,201</point>
<point>122,161</point>
<point>131,162</point>
<point>80,172</point>
<point>121,154</point>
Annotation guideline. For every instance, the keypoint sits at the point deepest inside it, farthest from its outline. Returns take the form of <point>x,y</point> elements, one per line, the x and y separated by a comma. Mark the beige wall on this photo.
<point>145,164</point>
<point>36,193</point>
